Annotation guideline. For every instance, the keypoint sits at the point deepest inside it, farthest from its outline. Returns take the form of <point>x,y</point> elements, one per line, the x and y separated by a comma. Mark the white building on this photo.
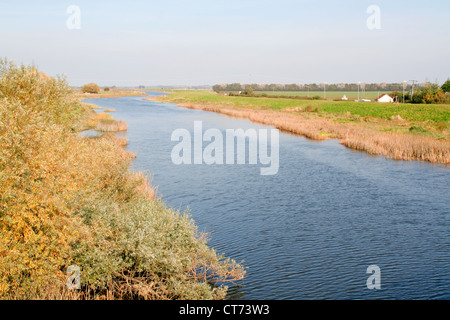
<point>385,98</point>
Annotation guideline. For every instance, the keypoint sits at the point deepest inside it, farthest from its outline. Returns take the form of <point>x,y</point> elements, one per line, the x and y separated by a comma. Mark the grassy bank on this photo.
<point>103,121</point>
<point>398,131</point>
<point>112,93</point>
<point>67,200</point>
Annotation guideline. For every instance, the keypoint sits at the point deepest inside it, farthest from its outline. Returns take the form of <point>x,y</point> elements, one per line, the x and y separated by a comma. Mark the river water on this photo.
<point>311,230</point>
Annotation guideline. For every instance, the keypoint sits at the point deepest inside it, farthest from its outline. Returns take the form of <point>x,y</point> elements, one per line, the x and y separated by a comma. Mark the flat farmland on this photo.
<point>351,95</point>
<point>412,112</point>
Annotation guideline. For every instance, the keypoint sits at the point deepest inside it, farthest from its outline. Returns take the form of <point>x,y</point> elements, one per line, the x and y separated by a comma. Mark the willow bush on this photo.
<point>90,88</point>
<point>67,200</point>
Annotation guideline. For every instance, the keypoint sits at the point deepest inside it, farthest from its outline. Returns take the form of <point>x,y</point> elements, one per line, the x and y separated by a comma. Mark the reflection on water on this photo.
<point>311,231</point>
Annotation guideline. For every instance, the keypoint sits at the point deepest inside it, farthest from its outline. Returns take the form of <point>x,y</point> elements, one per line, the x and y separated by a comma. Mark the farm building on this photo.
<point>385,98</point>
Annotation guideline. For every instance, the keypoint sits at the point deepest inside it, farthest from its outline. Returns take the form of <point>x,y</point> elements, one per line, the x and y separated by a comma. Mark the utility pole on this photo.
<point>405,83</point>
<point>412,88</point>
<point>358,89</point>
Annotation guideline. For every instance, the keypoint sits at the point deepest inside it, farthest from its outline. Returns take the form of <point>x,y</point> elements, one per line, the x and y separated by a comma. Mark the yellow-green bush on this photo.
<point>91,88</point>
<point>68,200</point>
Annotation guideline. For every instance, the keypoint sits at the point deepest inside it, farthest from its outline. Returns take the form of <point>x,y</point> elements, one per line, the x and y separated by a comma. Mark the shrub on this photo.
<point>91,88</point>
<point>446,86</point>
<point>68,200</point>
<point>249,92</point>
<point>310,108</point>
<point>36,224</point>
<point>428,95</point>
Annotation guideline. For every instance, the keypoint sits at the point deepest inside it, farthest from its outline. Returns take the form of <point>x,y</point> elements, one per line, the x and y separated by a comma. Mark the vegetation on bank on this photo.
<point>398,131</point>
<point>103,122</point>
<point>90,88</point>
<point>426,95</point>
<point>107,93</point>
<point>67,200</point>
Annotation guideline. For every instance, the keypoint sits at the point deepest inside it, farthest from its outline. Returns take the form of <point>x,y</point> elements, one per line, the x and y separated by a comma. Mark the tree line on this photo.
<point>320,86</point>
<point>404,92</point>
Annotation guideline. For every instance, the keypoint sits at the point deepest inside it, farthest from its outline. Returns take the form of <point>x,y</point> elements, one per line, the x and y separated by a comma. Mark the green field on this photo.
<point>351,95</point>
<point>411,112</point>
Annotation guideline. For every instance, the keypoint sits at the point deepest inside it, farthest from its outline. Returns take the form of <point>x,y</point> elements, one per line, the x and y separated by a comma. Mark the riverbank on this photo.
<point>112,93</point>
<point>73,203</point>
<point>102,121</point>
<point>401,132</point>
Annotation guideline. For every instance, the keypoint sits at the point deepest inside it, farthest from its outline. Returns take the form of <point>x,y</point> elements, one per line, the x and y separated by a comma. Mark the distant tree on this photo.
<point>446,86</point>
<point>106,89</point>
<point>91,88</point>
<point>217,88</point>
<point>248,92</point>
<point>236,87</point>
<point>429,94</point>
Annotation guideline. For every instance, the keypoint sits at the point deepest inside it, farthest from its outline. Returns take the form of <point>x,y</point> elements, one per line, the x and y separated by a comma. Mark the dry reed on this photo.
<point>395,145</point>
<point>111,126</point>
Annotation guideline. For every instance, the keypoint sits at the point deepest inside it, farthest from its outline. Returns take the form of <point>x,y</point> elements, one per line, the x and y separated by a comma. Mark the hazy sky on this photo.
<point>128,43</point>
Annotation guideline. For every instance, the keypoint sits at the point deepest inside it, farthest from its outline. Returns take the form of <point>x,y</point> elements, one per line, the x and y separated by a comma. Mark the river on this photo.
<point>311,230</point>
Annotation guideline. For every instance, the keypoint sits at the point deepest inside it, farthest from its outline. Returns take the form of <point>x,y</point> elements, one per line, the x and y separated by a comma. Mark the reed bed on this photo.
<point>395,145</point>
<point>118,141</point>
<point>111,126</point>
<point>92,106</point>
<point>121,142</point>
<point>102,122</point>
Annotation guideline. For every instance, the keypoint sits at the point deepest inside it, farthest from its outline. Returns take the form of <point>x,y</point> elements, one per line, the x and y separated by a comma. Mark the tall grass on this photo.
<point>393,145</point>
<point>103,122</point>
<point>67,200</point>
<point>111,126</point>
